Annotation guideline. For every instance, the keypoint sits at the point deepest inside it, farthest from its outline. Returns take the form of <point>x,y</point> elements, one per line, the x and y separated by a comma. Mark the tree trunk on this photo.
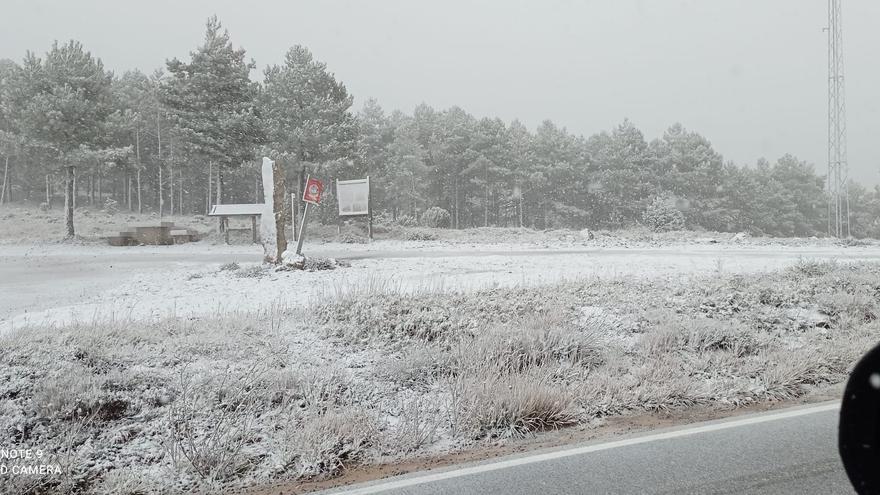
<point>48,196</point>
<point>486,210</point>
<point>68,201</point>
<point>455,192</point>
<point>180,194</point>
<point>520,210</point>
<point>159,152</point>
<point>171,174</point>
<point>137,140</point>
<point>171,188</point>
<point>128,190</point>
<point>278,200</point>
<point>140,204</point>
<point>210,186</point>
<point>161,198</point>
<point>5,181</point>
<point>219,195</point>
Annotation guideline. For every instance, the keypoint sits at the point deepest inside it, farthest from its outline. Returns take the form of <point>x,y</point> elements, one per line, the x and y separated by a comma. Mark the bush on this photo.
<point>420,235</point>
<point>313,264</point>
<point>700,335</point>
<point>663,216</point>
<point>407,221</point>
<point>324,446</point>
<point>111,206</point>
<point>534,341</point>
<point>350,238</point>
<point>229,267</point>
<point>250,272</point>
<point>502,405</point>
<point>437,218</point>
<point>385,218</point>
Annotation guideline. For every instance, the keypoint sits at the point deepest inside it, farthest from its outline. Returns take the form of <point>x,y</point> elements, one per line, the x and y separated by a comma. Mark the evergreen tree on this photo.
<point>63,104</point>
<point>213,104</point>
<point>306,111</point>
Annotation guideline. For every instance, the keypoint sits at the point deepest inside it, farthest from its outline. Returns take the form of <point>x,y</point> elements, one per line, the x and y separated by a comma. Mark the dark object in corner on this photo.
<point>859,432</point>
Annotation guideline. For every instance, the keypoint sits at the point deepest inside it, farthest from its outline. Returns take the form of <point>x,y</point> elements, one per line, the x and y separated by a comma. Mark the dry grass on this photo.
<point>500,404</point>
<point>186,404</point>
<point>328,444</point>
<point>700,335</point>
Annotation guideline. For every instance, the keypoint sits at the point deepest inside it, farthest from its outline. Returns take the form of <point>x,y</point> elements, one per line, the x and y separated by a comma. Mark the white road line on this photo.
<point>559,454</point>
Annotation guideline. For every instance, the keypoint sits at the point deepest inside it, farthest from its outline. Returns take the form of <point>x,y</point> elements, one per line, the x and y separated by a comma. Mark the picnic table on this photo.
<point>225,212</point>
<point>162,233</point>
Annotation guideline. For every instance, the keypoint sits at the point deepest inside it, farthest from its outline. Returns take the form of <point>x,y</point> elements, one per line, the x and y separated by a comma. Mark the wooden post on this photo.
<point>224,223</point>
<point>254,229</point>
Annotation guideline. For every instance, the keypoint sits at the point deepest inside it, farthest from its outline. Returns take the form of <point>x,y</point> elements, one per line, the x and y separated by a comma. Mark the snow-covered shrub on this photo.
<point>376,311</point>
<point>419,367</point>
<point>351,238</point>
<point>407,221</point>
<point>509,405</point>
<point>805,268</point>
<point>255,271</point>
<point>420,235</point>
<point>318,388</point>
<point>436,217</point>
<point>324,446</point>
<point>662,215</point>
<point>699,335</point>
<point>792,374</point>
<point>210,423</point>
<point>73,393</point>
<point>314,264</point>
<point>229,267</point>
<point>419,421</point>
<point>111,206</point>
<point>537,340</point>
<point>392,318</point>
<point>859,305</point>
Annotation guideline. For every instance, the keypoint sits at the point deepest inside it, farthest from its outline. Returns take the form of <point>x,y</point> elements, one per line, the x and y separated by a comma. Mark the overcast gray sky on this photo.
<point>750,75</point>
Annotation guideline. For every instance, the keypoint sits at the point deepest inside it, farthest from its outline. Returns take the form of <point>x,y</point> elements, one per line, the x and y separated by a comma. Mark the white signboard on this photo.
<point>354,197</point>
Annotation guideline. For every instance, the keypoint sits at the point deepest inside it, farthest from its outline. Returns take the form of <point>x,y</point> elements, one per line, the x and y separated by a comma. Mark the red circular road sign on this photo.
<point>313,191</point>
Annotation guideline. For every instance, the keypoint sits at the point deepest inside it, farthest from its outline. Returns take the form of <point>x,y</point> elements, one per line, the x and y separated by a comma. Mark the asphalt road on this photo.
<point>792,451</point>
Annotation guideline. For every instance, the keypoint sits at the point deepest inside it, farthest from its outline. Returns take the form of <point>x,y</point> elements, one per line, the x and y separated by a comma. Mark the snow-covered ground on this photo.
<point>60,283</point>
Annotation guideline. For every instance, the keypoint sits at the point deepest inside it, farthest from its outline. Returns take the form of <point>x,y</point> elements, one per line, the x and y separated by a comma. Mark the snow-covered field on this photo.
<point>159,369</point>
<point>63,283</point>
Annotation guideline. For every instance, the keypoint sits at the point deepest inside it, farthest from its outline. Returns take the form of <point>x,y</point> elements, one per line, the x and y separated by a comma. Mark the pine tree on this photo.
<point>64,105</point>
<point>307,112</point>
<point>213,103</point>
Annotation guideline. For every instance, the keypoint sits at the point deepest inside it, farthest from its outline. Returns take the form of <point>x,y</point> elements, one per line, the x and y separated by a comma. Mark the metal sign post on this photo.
<point>293,215</point>
<point>311,195</point>
<point>302,230</point>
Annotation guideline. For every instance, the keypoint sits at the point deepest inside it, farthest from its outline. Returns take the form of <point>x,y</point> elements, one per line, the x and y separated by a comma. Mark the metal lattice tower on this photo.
<point>838,168</point>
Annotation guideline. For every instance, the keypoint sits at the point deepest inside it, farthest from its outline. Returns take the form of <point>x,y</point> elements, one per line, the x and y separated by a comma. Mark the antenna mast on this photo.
<point>838,168</point>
